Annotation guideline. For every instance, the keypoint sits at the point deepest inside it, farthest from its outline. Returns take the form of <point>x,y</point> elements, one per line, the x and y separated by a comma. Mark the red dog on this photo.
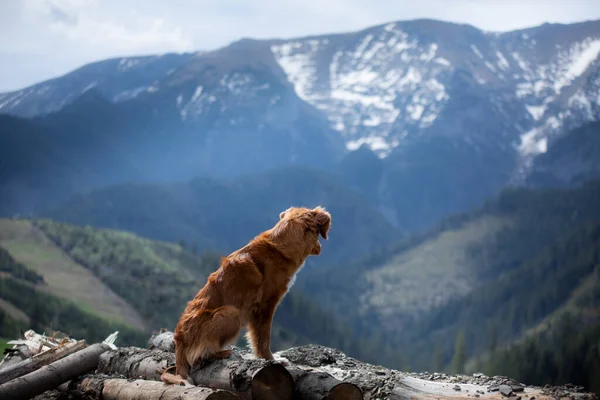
<point>245,291</point>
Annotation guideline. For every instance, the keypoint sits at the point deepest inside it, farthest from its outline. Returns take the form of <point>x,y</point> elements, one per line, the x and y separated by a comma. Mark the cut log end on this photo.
<point>272,382</point>
<point>345,391</point>
<point>222,396</point>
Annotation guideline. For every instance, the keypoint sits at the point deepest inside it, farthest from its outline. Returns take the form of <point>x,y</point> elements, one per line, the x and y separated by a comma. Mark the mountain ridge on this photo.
<point>436,101</point>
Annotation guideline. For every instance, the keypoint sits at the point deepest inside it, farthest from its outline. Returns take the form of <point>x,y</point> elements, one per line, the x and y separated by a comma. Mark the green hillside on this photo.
<point>223,215</point>
<point>90,282</point>
<point>498,273</point>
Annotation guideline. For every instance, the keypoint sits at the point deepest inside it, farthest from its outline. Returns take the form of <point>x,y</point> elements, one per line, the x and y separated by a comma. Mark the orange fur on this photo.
<point>246,290</point>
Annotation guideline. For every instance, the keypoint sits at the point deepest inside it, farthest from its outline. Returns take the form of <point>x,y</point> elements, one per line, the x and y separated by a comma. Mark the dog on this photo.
<point>246,290</point>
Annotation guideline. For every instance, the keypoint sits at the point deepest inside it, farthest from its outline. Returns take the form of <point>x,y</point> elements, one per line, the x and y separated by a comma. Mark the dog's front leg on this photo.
<point>259,332</point>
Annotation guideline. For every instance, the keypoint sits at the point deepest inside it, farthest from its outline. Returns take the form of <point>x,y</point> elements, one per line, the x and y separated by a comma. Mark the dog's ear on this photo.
<point>282,214</point>
<point>323,220</point>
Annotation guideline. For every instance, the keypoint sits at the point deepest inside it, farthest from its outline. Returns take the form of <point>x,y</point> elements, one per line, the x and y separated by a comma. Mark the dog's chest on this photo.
<point>291,282</point>
<point>293,278</point>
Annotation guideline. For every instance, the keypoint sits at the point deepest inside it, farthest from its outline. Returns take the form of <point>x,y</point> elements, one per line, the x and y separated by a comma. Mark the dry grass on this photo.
<point>64,277</point>
<point>430,273</point>
<point>13,311</point>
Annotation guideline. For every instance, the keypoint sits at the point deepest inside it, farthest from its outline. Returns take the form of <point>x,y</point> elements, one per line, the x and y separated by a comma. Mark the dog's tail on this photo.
<point>181,368</point>
<point>181,362</point>
<point>172,379</point>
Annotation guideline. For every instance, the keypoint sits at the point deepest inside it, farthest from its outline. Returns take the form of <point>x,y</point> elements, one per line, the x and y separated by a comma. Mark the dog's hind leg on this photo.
<point>221,329</point>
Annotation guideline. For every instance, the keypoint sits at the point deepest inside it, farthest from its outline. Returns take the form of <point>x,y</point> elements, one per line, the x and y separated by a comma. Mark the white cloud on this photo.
<point>40,39</point>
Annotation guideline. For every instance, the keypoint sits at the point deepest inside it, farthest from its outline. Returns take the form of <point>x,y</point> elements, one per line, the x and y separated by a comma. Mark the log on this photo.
<point>135,362</point>
<point>316,385</point>
<point>52,375</point>
<point>250,379</point>
<point>123,389</point>
<point>31,364</point>
<point>14,356</point>
<point>411,388</point>
<point>162,341</point>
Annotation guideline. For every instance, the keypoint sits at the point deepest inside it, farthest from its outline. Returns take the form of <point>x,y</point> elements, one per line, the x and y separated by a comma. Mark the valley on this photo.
<point>460,167</point>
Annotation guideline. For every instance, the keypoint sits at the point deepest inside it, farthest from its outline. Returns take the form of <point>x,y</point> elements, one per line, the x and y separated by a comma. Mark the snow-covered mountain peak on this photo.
<point>369,83</point>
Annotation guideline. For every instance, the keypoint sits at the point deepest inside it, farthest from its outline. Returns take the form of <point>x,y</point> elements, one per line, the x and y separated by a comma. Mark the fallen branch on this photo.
<point>123,389</point>
<point>52,375</point>
<point>31,364</point>
<point>135,362</point>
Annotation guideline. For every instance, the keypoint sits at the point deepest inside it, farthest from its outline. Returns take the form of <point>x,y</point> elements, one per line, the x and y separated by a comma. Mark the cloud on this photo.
<point>88,26</point>
<point>60,16</point>
<point>55,36</point>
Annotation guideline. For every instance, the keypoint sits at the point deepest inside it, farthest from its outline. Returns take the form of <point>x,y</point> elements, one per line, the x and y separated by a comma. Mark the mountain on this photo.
<point>223,215</point>
<point>571,160</point>
<point>89,282</point>
<point>505,268</point>
<point>455,113</point>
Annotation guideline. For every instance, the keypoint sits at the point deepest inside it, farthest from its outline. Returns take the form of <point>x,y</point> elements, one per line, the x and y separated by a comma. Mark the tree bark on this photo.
<point>52,375</point>
<point>31,364</point>
<point>123,389</point>
<point>162,341</point>
<point>317,385</point>
<point>250,379</point>
<point>410,388</point>
<point>135,362</point>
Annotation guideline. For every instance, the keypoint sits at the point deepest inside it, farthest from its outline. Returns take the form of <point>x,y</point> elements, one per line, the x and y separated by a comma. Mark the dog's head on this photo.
<point>300,227</point>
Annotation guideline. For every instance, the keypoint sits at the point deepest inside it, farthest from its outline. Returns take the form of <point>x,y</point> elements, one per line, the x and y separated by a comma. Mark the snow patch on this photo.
<point>90,86</point>
<point>442,61</point>
<point>375,143</point>
<point>476,51</point>
<point>502,61</point>
<point>577,62</point>
<point>581,102</point>
<point>532,143</point>
<point>537,112</point>
<point>197,94</point>
<point>127,63</point>
<point>415,111</point>
<point>522,64</point>
<point>297,61</point>
<point>490,66</point>
<point>430,53</point>
<point>130,94</point>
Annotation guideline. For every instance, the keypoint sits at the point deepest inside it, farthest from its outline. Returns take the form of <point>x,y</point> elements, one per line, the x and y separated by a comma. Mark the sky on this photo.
<point>43,39</point>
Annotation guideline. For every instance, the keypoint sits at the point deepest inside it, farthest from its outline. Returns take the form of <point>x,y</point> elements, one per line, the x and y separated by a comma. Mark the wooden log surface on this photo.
<point>14,356</point>
<point>52,375</point>
<point>411,388</point>
<point>33,363</point>
<point>135,362</point>
<point>162,340</point>
<point>310,384</point>
<point>250,379</point>
<point>140,389</point>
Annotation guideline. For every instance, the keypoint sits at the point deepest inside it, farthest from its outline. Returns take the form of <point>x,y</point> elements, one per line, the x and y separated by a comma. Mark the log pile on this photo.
<point>43,368</point>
